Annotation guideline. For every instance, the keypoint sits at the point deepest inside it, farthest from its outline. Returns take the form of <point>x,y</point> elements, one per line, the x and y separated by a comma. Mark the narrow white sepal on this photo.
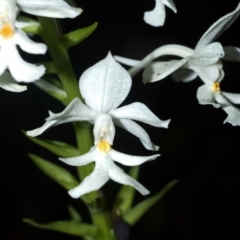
<point>40,130</point>
<point>27,45</point>
<point>46,8</point>
<point>137,131</point>
<point>129,160</point>
<point>80,160</point>
<point>232,97</point>
<point>140,112</point>
<point>217,28</point>
<point>118,175</point>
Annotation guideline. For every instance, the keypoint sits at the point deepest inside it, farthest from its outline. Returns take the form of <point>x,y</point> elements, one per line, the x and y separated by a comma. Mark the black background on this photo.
<point>198,149</point>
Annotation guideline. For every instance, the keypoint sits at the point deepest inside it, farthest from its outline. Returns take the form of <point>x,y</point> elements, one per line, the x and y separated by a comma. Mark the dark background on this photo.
<point>198,149</point>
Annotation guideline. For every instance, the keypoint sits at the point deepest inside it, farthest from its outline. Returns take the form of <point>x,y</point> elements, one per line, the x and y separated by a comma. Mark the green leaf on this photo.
<point>132,216</point>
<point>57,173</point>
<point>74,213</point>
<point>126,194</point>
<point>70,227</point>
<point>75,37</point>
<point>61,149</point>
<point>35,29</point>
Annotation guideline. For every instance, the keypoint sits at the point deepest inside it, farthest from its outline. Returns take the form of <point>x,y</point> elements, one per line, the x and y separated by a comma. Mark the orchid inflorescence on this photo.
<point>104,86</point>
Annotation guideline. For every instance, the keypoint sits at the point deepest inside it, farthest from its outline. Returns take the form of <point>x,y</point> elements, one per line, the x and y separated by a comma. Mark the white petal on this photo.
<point>206,96</point>
<point>207,55</point>
<point>9,84</point>
<point>232,54</point>
<point>209,74</point>
<point>94,181</point>
<point>184,75</point>
<point>129,160</point>
<point>233,115</point>
<point>232,97</point>
<point>170,49</point>
<point>80,160</point>
<point>103,128</point>
<point>105,85</point>
<point>27,44</point>
<point>46,8</point>
<point>170,4</point>
<point>156,17</point>
<point>118,175</point>
<point>138,111</point>
<point>75,111</point>
<point>159,70</point>
<point>218,28</point>
<point>222,100</point>
<point>137,131</point>
<point>43,128</point>
<point>22,71</point>
<point>129,62</point>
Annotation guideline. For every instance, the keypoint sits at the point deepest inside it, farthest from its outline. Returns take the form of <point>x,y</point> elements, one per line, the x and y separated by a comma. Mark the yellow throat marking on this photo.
<point>216,87</point>
<point>6,31</point>
<point>104,146</point>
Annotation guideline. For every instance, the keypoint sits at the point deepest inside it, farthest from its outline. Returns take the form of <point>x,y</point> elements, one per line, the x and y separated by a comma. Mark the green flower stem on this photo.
<point>52,36</point>
<point>95,200</point>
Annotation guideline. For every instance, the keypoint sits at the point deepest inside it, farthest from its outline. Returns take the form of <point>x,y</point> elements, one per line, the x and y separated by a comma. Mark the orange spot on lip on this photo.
<point>104,146</point>
<point>216,87</point>
<point>6,31</point>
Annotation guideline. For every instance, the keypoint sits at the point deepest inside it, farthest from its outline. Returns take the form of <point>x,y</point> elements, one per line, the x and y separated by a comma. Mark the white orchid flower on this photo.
<point>202,60</point>
<point>210,93</point>
<point>157,16</point>
<point>11,35</point>
<point>104,86</point>
<point>106,169</point>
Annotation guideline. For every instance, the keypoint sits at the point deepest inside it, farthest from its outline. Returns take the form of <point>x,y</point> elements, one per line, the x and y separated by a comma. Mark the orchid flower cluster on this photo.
<point>104,86</point>
<point>93,103</point>
<point>204,62</point>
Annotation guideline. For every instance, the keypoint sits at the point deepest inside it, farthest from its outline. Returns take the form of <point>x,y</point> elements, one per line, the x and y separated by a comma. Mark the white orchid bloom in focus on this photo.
<point>104,86</point>
<point>106,169</point>
<point>11,35</point>
<point>201,61</point>
<point>157,16</point>
<point>210,93</point>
